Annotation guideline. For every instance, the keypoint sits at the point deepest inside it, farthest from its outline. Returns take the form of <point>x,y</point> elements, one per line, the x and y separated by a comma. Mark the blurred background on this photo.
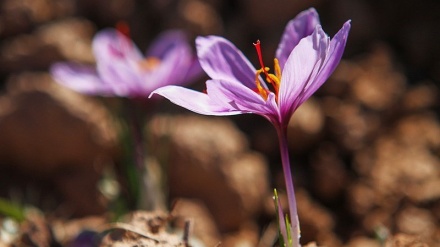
<point>365,149</point>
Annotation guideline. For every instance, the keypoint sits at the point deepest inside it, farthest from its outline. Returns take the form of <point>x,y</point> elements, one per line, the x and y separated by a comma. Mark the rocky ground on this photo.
<point>365,150</point>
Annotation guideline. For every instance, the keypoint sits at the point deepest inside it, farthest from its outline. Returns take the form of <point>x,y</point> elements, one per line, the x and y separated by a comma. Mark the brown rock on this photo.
<point>403,240</point>
<point>26,52</point>
<point>377,83</point>
<point>247,235</point>
<point>306,125</point>
<point>421,97</point>
<point>201,16</point>
<point>68,39</point>
<point>316,223</point>
<point>417,222</point>
<point>53,134</point>
<point>202,224</point>
<point>19,16</point>
<point>65,231</point>
<point>71,36</point>
<point>363,242</point>
<point>142,229</point>
<point>35,231</point>
<point>208,159</point>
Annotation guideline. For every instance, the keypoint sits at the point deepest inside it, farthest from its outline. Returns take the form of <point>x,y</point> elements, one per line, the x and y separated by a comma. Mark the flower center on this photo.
<point>273,79</point>
<point>149,63</point>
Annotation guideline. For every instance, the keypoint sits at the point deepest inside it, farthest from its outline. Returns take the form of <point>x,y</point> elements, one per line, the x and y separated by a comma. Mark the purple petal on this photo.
<point>178,64</point>
<point>311,63</point>
<point>117,59</point>
<point>80,78</point>
<point>194,101</point>
<point>242,98</point>
<point>304,61</point>
<point>194,70</point>
<point>332,59</point>
<point>111,44</point>
<point>301,26</point>
<point>169,72</point>
<point>177,67</point>
<point>223,61</point>
<point>165,42</point>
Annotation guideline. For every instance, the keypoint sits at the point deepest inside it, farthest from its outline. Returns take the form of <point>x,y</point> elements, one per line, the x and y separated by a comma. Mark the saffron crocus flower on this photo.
<point>305,58</point>
<point>122,70</point>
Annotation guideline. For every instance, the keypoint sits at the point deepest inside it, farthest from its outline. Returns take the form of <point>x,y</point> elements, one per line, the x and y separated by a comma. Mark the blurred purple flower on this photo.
<point>122,70</point>
<point>305,58</point>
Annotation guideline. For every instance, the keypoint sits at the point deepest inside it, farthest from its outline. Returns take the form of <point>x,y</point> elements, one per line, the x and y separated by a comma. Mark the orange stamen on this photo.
<point>273,79</point>
<point>260,89</point>
<point>149,63</point>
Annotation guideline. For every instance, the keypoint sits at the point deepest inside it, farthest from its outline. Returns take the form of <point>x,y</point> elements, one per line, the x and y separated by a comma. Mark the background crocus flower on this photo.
<point>122,70</point>
<point>305,58</point>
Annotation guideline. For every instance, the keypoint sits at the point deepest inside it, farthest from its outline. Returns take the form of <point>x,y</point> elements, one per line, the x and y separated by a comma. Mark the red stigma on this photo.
<point>123,28</point>
<point>260,58</point>
<point>258,48</point>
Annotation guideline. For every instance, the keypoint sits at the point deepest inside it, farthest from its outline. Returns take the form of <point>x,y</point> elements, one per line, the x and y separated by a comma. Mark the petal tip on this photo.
<point>343,32</point>
<point>311,11</point>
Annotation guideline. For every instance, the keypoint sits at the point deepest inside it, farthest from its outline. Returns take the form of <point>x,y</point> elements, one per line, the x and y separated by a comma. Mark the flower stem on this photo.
<point>149,196</point>
<point>137,135</point>
<point>282,137</point>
